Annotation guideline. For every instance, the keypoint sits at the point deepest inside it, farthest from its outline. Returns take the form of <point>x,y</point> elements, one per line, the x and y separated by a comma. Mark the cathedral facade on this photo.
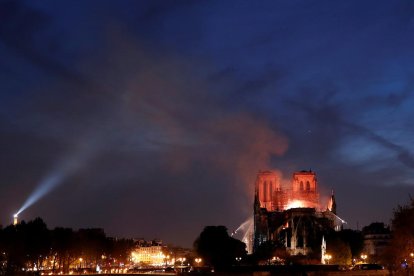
<point>291,214</point>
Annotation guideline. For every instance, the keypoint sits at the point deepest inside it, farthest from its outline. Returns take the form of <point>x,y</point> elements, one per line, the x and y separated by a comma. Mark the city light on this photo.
<point>328,257</point>
<point>149,255</point>
<point>198,261</point>
<point>182,260</point>
<point>364,257</point>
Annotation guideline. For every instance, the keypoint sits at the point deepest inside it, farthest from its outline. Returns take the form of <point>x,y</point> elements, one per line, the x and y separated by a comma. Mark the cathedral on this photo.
<point>291,214</point>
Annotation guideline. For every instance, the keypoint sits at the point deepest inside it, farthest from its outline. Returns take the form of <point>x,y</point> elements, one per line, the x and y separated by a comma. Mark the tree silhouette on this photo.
<point>32,244</point>
<point>63,248</point>
<point>120,249</point>
<point>339,250</point>
<point>93,244</point>
<point>13,246</point>
<point>402,242</point>
<point>217,248</point>
<point>354,239</point>
<point>36,242</point>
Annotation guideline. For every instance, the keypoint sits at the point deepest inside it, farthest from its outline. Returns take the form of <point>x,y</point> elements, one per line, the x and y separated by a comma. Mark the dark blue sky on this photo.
<point>156,115</point>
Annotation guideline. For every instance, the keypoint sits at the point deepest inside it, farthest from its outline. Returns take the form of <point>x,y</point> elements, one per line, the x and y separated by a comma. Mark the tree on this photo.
<point>32,244</point>
<point>92,243</point>
<point>13,246</point>
<point>63,248</point>
<point>354,239</point>
<point>217,248</point>
<point>37,241</point>
<point>339,250</point>
<point>402,241</point>
<point>25,244</point>
<point>120,248</point>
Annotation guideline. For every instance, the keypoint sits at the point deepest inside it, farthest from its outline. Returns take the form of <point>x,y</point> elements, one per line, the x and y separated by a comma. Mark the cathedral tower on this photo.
<point>267,183</point>
<point>305,189</point>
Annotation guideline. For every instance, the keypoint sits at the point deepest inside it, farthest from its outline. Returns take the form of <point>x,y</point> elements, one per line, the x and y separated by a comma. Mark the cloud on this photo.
<point>155,119</point>
<point>329,115</point>
<point>173,108</point>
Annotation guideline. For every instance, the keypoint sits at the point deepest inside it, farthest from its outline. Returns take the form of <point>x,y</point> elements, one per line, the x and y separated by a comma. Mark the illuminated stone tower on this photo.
<point>267,183</point>
<point>15,219</point>
<point>305,189</point>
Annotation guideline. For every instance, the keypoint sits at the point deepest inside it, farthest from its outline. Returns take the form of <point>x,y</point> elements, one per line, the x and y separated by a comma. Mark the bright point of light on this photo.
<point>15,215</point>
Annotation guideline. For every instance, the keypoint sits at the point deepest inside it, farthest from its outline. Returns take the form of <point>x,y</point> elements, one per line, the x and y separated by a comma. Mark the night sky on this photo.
<point>151,118</point>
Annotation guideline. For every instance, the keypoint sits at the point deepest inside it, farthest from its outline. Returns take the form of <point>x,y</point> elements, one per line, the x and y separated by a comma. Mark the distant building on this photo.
<point>149,253</point>
<point>291,214</point>
<point>377,237</point>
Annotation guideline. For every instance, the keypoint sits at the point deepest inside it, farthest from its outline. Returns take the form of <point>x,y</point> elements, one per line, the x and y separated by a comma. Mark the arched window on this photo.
<point>264,191</point>
<point>301,186</point>
<point>270,190</point>
<point>308,186</point>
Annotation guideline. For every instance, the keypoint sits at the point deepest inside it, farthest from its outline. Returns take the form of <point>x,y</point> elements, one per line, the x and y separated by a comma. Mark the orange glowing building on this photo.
<point>291,213</point>
<point>302,192</point>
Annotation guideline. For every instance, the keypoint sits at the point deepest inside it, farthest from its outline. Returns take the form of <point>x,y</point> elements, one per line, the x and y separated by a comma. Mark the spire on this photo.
<point>323,250</point>
<point>256,199</point>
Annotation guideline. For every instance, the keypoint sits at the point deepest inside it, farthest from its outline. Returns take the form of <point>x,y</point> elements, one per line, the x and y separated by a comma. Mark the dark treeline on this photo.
<point>32,245</point>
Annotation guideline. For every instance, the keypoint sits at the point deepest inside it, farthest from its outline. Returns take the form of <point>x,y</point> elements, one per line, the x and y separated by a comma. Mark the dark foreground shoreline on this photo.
<point>303,270</point>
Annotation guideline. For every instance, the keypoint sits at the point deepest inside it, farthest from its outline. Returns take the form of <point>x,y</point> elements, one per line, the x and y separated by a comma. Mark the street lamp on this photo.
<point>182,260</point>
<point>364,257</point>
<point>328,257</point>
<point>166,258</point>
<point>198,261</point>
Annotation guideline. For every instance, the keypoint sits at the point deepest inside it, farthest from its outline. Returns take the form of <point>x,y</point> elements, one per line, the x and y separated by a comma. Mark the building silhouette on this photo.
<point>377,237</point>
